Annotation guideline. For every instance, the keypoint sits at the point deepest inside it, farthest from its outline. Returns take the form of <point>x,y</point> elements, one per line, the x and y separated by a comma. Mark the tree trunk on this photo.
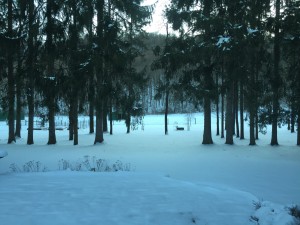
<point>19,80</point>
<point>50,72</point>
<point>75,120</point>
<point>229,115</point>
<point>99,125</point>
<point>217,105</point>
<point>110,118</point>
<point>128,121</point>
<point>222,105</point>
<point>236,107</point>
<point>30,73</point>
<point>242,109</point>
<point>91,93</point>
<point>91,116</point>
<point>293,112</point>
<point>298,125</point>
<point>207,139</point>
<point>11,79</point>
<point>91,104</point>
<point>252,137</point>
<point>51,117</point>
<point>256,122</point>
<point>99,72</point>
<point>166,112</point>
<point>18,100</point>
<point>71,121</point>
<point>105,112</point>
<point>276,76</point>
<point>252,103</point>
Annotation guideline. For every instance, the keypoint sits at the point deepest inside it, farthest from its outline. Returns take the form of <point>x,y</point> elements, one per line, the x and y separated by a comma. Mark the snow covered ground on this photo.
<point>174,179</point>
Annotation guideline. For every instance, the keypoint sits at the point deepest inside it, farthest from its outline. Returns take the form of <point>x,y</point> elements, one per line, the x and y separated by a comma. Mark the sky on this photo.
<point>158,22</point>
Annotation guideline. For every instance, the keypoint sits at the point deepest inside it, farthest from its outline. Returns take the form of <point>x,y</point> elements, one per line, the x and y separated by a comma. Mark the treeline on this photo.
<point>74,52</point>
<point>235,57</point>
<point>243,55</point>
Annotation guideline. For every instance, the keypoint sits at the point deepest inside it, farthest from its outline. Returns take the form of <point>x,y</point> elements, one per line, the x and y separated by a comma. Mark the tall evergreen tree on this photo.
<point>276,79</point>
<point>10,75</point>
<point>99,71</point>
<point>201,18</point>
<point>30,71</point>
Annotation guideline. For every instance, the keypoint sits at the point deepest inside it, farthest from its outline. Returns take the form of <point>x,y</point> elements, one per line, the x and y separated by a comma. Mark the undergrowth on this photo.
<point>94,164</point>
<point>87,164</point>
<point>28,167</point>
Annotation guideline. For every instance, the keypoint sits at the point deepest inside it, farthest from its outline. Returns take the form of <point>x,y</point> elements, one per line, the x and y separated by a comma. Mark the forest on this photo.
<point>232,58</point>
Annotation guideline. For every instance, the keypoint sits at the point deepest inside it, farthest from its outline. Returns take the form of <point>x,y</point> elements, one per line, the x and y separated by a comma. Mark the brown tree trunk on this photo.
<point>11,79</point>
<point>110,118</point>
<point>229,115</point>
<point>166,112</point>
<point>293,117</point>
<point>71,121</point>
<point>30,73</point>
<point>75,120</point>
<point>276,76</point>
<point>91,116</point>
<point>50,70</point>
<point>99,72</point>
<point>99,125</point>
<point>217,105</point>
<point>236,107</point>
<point>105,112</point>
<point>207,138</point>
<point>51,117</point>
<point>298,125</point>
<point>222,105</point>
<point>242,109</point>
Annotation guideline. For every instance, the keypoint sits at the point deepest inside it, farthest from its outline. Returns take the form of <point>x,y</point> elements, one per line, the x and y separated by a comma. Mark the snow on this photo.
<point>222,40</point>
<point>251,31</point>
<point>174,179</point>
<point>3,153</point>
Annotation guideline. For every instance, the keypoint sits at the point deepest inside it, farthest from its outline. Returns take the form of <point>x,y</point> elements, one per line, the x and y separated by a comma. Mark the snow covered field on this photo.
<point>174,179</point>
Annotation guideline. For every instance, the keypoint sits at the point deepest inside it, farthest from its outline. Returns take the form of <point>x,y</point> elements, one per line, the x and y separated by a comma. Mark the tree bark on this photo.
<point>217,105</point>
<point>207,138</point>
<point>256,123</point>
<point>229,115</point>
<point>11,79</point>
<point>30,73</point>
<point>166,111</point>
<point>51,117</point>
<point>242,109</point>
<point>298,124</point>
<point>252,103</point>
<point>19,79</point>
<point>293,117</point>
<point>75,120</point>
<point>276,75</point>
<point>105,112</point>
<point>222,103</point>
<point>18,98</point>
<point>110,118</point>
<point>99,125</point>
<point>71,121</point>
<point>50,70</point>
<point>91,116</point>
<point>99,72</point>
<point>236,107</point>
